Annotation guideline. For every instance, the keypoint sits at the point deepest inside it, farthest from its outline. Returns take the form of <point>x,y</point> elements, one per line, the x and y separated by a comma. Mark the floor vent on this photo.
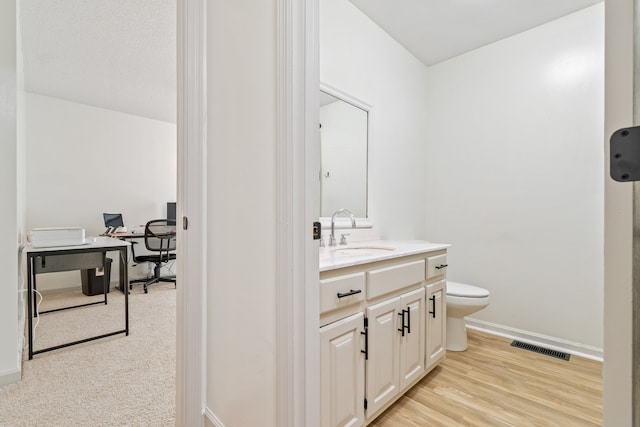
<point>541,350</point>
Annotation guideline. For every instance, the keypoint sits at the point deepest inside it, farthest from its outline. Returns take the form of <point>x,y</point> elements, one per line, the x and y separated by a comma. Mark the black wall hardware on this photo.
<point>625,154</point>
<point>317,230</point>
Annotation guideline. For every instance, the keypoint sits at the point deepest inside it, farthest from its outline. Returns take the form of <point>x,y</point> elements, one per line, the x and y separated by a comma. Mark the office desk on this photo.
<point>70,258</point>
<point>127,236</point>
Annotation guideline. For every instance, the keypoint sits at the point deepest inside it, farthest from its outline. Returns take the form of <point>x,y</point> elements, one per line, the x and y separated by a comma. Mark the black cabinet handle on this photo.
<point>438,267</point>
<point>366,344</point>
<point>366,339</point>
<point>406,326</point>
<point>433,301</point>
<point>351,292</point>
<point>402,329</point>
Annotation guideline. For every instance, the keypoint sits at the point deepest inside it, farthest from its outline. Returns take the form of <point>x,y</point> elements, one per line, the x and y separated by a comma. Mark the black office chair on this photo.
<point>160,238</point>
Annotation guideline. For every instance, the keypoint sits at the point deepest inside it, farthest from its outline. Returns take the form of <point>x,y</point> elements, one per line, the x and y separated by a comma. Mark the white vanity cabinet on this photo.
<point>396,347</point>
<point>436,333</point>
<point>342,367</point>
<point>379,331</point>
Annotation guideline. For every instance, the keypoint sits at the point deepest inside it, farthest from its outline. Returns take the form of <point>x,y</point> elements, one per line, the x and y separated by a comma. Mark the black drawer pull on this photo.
<point>438,267</point>
<point>351,292</point>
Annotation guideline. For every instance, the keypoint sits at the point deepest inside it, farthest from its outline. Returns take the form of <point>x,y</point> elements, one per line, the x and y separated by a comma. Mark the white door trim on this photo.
<point>191,198</point>
<point>310,187</point>
<point>298,335</point>
<point>297,269</point>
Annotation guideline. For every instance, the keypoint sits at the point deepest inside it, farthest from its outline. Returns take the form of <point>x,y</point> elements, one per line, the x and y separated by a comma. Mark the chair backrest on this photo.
<point>160,235</point>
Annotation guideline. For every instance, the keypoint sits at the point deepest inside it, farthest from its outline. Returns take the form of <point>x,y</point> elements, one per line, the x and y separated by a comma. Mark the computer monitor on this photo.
<point>171,210</point>
<point>112,221</point>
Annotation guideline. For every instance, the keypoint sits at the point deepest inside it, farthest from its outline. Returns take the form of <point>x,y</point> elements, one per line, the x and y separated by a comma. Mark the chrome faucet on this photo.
<point>332,238</point>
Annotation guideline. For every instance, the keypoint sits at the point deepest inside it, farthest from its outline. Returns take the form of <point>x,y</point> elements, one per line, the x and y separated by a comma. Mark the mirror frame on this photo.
<point>342,222</point>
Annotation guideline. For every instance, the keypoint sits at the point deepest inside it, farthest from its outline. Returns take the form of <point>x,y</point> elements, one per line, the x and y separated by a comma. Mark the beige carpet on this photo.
<point>115,381</point>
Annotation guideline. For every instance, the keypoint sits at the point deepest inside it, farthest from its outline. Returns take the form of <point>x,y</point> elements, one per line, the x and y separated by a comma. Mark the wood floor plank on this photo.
<point>494,384</point>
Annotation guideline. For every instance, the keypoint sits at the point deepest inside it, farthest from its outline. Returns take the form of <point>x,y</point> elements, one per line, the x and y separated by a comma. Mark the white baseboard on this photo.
<point>211,417</point>
<point>546,341</point>
<point>11,376</point>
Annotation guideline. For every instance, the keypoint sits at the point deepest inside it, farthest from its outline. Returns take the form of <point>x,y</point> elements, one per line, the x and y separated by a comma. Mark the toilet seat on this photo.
<point>467,291</point>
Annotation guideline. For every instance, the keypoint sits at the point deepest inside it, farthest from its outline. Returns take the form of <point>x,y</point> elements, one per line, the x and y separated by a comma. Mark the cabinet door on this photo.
<point>342,372</point>
<point>436,322</point>
<point>412,343</point>
<point>383,374</point>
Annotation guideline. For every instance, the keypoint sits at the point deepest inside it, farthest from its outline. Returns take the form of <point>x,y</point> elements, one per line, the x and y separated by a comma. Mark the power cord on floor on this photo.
<point>37,315</point>
<point>22,289</point>
<point>169,267</point>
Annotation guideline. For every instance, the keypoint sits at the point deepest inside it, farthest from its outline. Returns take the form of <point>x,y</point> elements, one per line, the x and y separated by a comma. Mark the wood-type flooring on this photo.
<point>494,384</point>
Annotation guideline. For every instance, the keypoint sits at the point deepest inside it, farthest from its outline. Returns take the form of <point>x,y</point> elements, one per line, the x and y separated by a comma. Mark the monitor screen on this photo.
<point>113,220</point>
<point>171,210</point>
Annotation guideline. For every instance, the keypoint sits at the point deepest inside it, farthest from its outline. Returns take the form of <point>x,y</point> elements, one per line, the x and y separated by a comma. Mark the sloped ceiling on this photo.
<point>121,54</point>
<point>436,30</point>
<point>113,54</point>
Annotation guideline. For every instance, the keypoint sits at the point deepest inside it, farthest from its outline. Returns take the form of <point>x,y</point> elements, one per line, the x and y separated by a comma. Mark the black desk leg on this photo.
<point>124,284</point>
<point>29,301</point>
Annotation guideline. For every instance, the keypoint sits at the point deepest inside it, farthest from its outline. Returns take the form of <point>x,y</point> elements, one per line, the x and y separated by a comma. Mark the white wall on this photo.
<point>241,197</point>
<point>83,161</point>
<point>617,375</point>
<point>515,165</point>
<point>10,207</point>
<point>360,59</point>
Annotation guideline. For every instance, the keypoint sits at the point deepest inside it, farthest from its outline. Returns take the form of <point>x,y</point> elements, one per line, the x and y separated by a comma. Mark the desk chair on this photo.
<point>159,238</point>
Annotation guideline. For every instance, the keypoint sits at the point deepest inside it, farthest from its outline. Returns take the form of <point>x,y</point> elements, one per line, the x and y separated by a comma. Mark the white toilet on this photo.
<point>462,300</point>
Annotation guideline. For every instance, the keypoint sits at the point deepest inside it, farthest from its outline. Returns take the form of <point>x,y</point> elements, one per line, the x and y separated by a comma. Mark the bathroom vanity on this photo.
<point>382,324</point>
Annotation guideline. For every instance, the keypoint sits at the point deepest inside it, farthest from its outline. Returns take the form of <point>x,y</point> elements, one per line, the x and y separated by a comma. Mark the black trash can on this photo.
<point>95,279</point>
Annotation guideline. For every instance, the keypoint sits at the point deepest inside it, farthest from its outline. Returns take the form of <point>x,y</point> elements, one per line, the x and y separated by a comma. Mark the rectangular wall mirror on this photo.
<point>344,147</point>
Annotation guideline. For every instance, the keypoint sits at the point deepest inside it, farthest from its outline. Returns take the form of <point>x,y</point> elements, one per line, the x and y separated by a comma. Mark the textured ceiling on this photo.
<point>121,54</point>
<point>436,30</point>
<point>114,54</point>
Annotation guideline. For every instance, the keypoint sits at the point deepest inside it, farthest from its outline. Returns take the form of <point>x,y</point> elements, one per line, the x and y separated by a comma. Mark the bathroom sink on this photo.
<point>363,250</point>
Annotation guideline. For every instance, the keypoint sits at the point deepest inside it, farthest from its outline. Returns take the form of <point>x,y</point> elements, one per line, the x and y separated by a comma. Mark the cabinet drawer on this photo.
<point>436,265</point>
<point>389,279</point>
<point>341,291</point>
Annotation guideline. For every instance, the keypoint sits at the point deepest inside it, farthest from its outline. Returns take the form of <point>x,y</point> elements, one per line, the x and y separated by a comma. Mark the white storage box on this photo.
<point>61,236</point>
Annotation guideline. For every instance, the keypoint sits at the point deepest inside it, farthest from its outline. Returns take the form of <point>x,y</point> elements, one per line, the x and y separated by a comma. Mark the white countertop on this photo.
<point>341,256</point>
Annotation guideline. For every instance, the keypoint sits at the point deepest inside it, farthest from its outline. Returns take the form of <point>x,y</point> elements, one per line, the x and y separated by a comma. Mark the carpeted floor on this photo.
<point>115,381</point>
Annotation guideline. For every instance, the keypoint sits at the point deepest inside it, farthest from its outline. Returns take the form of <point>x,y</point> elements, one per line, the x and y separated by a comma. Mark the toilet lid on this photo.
<point>463,290</point>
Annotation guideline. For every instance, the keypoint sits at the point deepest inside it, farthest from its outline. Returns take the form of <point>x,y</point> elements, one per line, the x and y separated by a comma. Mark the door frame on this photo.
<point>191,212</point>
<point>298,206</point>
<point>297,151</point>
